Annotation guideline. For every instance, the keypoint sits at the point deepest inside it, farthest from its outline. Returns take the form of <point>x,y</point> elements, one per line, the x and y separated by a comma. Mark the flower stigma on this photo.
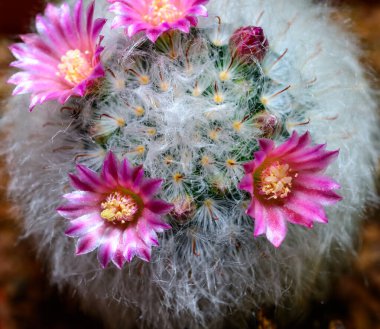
<point>74,66</point>
<point>161,11</point>
<point>276,181</point>
<point>119,208</point>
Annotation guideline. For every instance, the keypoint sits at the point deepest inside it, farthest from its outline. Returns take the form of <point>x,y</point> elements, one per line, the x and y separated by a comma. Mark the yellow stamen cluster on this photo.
<point>276,181</point>
<point>74,66</point>
<point>118,208</point>
<point>161,11</point>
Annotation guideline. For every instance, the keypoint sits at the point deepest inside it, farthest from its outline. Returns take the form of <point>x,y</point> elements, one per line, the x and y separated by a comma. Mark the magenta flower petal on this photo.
<point>108,248</point>
<point>159,206</point>
<point>258,212</point>
<point>155,17</point>
<point>324,198</point>
<point>110,170</point>
<point>82,197</point>
<point>307,208</point>
<point>137,176</point>
<point>88,242</point>
<point>63,59</point>
<point>318,182</point>
<point>83,225</point>
<point>286,183</point>
<point>151,186</point>
<point>90,180</point>
<point>72,211</point>
<point>156,221</point>
<point>276,226</point>
<point>266,145</point>
<point>115,211</point>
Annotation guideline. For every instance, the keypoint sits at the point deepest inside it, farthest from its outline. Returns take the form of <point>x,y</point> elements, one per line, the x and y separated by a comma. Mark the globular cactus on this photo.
<point>223,116</point>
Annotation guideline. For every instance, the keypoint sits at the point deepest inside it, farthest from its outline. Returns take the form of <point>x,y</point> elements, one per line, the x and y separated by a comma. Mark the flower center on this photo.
<point>276,181</point>
<point>74,66</point>
<point>118,208</point>
<point>161,11</point>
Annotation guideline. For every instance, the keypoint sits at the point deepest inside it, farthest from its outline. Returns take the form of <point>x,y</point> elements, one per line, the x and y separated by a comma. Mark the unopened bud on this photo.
<point>249,44</point>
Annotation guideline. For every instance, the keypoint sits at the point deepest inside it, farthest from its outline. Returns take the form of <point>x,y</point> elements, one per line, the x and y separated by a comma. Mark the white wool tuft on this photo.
<point>199,277</point>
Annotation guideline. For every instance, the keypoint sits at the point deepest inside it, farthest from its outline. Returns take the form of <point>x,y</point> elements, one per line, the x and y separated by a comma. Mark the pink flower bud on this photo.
<point>249,43</point>
<point>269,124</point>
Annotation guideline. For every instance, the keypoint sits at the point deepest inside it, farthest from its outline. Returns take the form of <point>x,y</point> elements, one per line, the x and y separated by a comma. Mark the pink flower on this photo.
<point>155,17</point>
<point>249,43</point>
<point>63,59</point>
<point>115,212</point>
<point>286,184</point>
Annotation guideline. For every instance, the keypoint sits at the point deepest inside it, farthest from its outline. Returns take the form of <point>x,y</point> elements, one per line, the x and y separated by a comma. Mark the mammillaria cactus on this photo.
<point>201,151</point>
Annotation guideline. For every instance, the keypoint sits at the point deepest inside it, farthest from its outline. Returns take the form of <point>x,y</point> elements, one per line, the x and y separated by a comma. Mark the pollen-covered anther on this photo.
<point>74,66</point>
<point>276,181</point>
<point>118,208</point>
<point>161,11</point>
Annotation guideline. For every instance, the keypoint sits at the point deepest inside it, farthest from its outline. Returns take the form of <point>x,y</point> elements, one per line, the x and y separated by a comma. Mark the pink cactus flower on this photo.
<point>286,183</point>
<point>155,17</point>
<point>63,58</point>
<point>115,212</point>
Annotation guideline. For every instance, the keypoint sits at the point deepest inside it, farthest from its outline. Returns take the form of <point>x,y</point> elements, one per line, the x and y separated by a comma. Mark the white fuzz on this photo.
<point>182,122</point>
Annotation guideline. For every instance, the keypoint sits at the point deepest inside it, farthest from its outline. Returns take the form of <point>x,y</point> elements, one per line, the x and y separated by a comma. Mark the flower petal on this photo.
<point>108,246</point>
<point>316,182</point>
<point>83,198</point>
<point>159,206</point>
<point>276,226</point>
<point>150,187</point>
<point>110,169</point>
<point>84,224</point>
<point>72,211</point>
<point>88,242</point>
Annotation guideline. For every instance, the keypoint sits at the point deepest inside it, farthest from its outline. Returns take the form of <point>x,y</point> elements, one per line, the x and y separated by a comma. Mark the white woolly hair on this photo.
<point>163,115</point>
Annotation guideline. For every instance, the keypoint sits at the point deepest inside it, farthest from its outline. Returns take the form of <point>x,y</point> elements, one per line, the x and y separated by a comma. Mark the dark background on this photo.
<point>28,302</point>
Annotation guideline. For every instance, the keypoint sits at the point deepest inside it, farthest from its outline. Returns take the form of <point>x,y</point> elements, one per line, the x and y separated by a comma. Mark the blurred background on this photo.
<point>28,302</point>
